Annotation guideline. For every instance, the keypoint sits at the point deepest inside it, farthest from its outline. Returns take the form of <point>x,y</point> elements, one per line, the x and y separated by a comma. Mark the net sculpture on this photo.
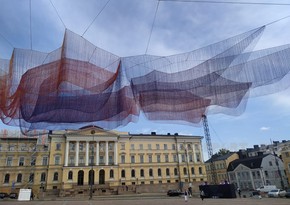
<point>80,84</point>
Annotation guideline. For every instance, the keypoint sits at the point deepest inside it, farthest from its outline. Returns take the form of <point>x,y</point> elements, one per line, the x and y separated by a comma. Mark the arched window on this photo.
<point>55,176</point>
<point>150,173</point>
<point>184,171</point>
<point>123,174</point>
<point>70,175</point>
<point>42,177</point>
<point>200,170</point>
<point>167,172</point>
<point>133,173</point>
<point>175,172</point>
<point>6,178</point>
<point>111,173</point>
<point>19,178</point>
<point>192,170</point>
<point>159,172</point>
<point>141,172</point>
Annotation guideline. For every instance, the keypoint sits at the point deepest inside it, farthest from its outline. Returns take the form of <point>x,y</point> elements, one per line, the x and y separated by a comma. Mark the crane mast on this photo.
<point>209,149</point>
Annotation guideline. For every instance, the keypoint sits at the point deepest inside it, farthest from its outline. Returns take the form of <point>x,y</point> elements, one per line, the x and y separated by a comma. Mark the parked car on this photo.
<point>13,195</point>
<point>266,188</point>
<point>277,193</point>
<point>287,195</point>
<point>174,193</point>
<point>3,195</point>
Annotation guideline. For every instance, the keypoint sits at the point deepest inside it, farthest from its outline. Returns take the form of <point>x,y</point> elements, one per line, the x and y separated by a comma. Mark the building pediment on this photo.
<point>92,131</point>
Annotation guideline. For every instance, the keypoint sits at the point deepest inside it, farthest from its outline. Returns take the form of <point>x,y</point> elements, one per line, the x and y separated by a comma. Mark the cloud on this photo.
<point>265,128</point>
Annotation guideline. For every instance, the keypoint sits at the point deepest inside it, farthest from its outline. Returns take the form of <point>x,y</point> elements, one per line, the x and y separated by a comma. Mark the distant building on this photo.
<point>253,172</point>
<point>110,162</point>
<point>221,164</point>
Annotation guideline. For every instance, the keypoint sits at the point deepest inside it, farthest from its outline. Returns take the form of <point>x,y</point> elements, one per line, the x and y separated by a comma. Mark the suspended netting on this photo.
<point>80,84</point>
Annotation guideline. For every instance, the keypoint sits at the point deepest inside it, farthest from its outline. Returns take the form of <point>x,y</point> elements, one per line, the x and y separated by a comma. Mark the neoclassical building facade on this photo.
<point>111,161</point>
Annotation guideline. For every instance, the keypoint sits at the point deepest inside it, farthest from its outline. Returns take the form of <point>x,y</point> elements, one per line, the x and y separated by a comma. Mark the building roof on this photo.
<point>221,157</point>
<point>251,162</point>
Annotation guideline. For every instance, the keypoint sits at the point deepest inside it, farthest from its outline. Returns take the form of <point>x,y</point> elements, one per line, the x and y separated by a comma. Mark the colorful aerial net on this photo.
<point>80,84</point>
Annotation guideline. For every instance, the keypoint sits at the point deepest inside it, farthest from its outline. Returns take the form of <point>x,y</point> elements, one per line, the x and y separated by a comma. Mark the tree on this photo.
<point>221,152</point>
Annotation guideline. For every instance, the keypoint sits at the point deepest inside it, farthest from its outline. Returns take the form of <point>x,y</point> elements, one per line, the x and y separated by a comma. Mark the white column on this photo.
<point>77,153</point>
<point>87,153</point>
<point>116,153</point>
<point>201,156</point>
<point>66,153</point>
<point>97,153</point>
<point>179,155</point>
<point>107,153</point>
<point>194,153</point>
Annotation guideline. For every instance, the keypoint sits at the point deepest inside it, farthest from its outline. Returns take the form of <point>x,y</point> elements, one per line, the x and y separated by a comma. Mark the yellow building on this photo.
<point>113,162</point>
<point>285,155</point>
<point>221,164</point>
<point>23,163</point>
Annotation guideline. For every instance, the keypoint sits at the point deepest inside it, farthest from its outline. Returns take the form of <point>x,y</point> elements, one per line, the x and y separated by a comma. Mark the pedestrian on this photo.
<point>31,195</point>
<point>202,195</point>
<point>185,195</point>
<point>239,192</point>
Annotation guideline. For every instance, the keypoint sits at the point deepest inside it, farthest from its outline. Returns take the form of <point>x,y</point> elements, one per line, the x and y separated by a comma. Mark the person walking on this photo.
<point>185,195</point>
<point>202,195</point>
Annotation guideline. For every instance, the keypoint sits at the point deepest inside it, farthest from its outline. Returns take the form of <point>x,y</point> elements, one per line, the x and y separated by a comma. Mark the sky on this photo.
<point>126,28</point>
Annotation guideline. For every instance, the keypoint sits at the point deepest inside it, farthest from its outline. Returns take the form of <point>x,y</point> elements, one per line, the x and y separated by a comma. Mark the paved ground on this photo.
<point>140,200</point>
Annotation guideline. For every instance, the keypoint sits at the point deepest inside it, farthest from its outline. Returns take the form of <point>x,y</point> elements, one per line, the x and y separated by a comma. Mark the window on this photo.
<point>58,146</point>
<point>123,174</point>
<point>166,158</point>
<point>150,158</point>
<point>266,173</point>
<point>43,177</point>
<point>165,147</point>
<point>173,147</point>
<point>81,146</point>
<point>70,175</point>
<point>196,147</point>
<point>0,147</point>
<point>132,147</point>
<point>167,172</point>
<point>188,146</point>
<point>6,178</point>
<point>133,173</point>
<point>183,158</point>
<point>31,178</point>
<point>101,161</point>
<point>157,146</point>
<point>141,158</point>
<point>197,157</point>
<point>158,158</point>
<point>33,161</point>
<point>19,178</point>
<point>149,146</point>
<point>72,146</point>
<point>270,163</point>
<point>192,170</point>
<point>82,160</point>
<point>150,173</point>
<point>11,147</point>
<point>57,160</point>
<point>141,146</point>
<point>9,161</point>
<point>190,158</point>
<point>181,146</point>
<point>200,170</point>
<point>184,171</point>
<point>21,161</point>
<point>71,159</point>
<point>123,146</point>
<point>122,158</point>
<point>132,159</point>
<point>159,172</point>
<point>111,160</point>
<point>141,172</point>
<point>55,176</point>
<point>111,173</point>
<point>44,160</point>
<point>174,158</point>
<point>175,172</point>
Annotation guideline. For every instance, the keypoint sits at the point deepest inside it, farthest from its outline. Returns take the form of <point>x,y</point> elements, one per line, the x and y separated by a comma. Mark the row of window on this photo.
<point>21,161</point>
<point>82,146</point>
<point>23,147</point>
<point>19,177</point>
